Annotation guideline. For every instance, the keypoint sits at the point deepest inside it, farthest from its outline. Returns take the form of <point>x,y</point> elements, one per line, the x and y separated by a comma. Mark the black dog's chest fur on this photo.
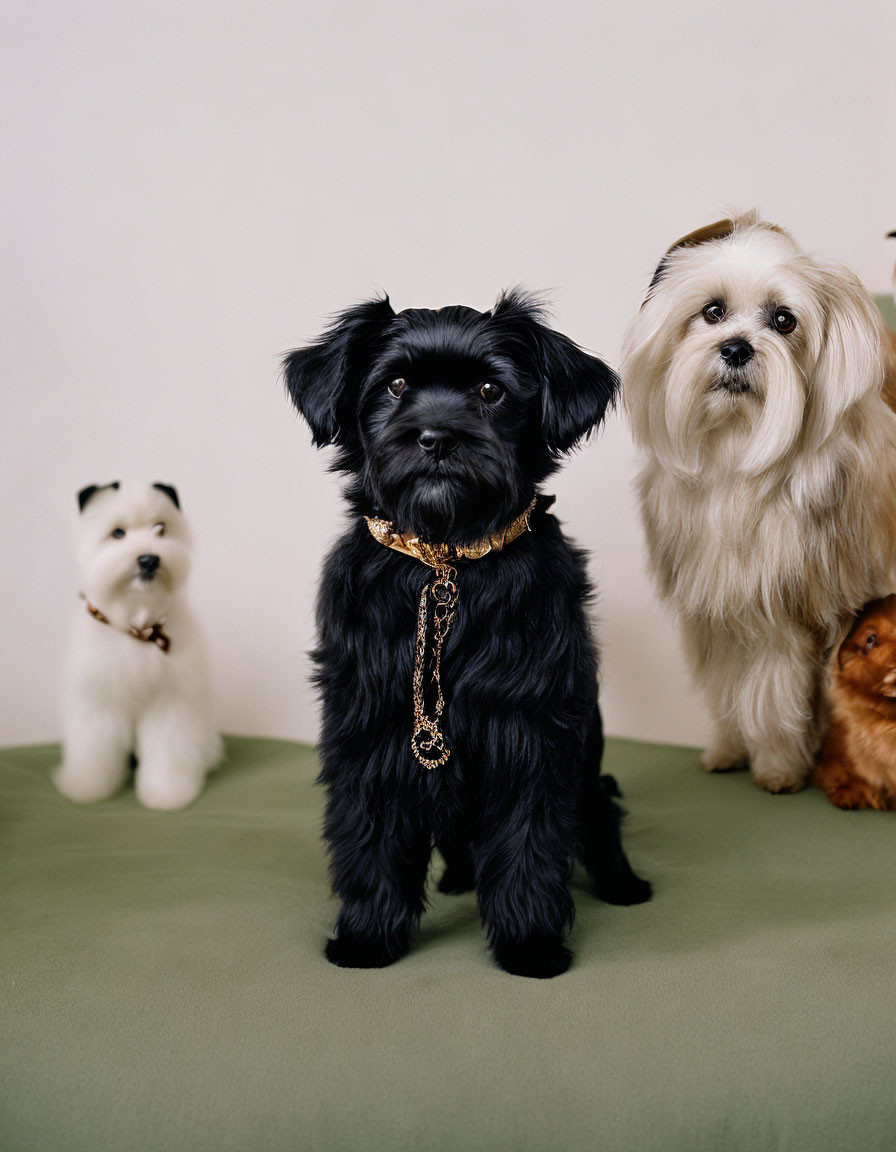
<point>519,646</point>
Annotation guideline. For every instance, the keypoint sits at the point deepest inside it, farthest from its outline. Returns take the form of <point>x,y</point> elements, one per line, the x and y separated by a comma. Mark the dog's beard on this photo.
<point>702,414</point>
<point>475,491</point>
<point>111,580</point>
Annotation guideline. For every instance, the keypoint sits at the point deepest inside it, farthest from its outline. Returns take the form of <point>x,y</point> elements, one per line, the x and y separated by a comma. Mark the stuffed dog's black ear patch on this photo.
<point>576,388</point>
<point>170,492</point>
<point>323,379</point>
<point>86,494</point>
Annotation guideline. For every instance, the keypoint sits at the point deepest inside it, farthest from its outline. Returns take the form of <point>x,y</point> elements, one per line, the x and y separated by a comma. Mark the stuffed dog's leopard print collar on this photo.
<point>151,634</point>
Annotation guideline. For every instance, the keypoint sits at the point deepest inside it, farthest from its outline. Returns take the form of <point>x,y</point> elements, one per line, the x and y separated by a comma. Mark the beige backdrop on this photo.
<point>191,188</point>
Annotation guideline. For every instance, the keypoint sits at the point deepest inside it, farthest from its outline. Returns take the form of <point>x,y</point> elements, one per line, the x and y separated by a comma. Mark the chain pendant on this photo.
<point>428,741</point>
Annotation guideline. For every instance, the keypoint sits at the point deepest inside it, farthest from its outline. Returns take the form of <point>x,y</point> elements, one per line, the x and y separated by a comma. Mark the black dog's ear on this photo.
<point>322,379</point>
<point>91,490</point>
<point>576,388</point>
<point>170,492</point>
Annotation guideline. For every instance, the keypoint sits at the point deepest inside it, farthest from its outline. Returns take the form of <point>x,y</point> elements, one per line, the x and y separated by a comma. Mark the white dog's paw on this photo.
<point>777,773</point>
<point>86,787</point>
<point>725,754</point>
<point>167,791</point>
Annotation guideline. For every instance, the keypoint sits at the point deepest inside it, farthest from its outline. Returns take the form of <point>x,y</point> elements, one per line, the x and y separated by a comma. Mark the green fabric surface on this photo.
<point>888,310</point>
<point>164,987</point>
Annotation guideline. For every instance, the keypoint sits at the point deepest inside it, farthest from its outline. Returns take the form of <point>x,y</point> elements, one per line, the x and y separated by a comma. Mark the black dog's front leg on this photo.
<point>523,865</point>
<point>379,851</point>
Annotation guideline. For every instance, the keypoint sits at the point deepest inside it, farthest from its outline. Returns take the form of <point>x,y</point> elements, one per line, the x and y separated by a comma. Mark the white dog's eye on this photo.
<point>784,320</point>
<point>490,392</point>
<point>118,533</point>
<point>713,313</point>
<point>397,387</point>
<point>159,529</point>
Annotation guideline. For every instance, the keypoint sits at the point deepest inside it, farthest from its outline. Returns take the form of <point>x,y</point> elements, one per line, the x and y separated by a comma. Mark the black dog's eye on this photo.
<point>713,313</point>
<point>870,641</point>
<point>783,320</point>
<point>117,533</point>
<point>397,387</point>
<point>490,392</point>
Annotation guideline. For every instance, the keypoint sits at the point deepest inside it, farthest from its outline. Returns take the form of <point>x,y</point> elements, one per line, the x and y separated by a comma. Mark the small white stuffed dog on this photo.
<point>136,678</point>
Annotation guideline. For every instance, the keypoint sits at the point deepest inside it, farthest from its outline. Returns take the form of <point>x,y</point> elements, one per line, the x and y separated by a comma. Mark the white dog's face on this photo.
<point>747,350</point>
<point>133,550</point>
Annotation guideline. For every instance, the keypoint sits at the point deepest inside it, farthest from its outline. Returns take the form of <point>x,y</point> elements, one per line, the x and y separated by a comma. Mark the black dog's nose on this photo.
<point>736,352</point>
<point>147,564</point>
<point>437,441</point>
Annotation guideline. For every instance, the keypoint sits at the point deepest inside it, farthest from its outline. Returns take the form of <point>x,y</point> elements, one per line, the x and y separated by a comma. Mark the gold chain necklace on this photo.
<point>428,741</point>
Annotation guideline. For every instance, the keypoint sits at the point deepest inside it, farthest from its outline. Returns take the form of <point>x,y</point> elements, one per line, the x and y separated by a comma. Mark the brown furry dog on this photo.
<point>857,768</point>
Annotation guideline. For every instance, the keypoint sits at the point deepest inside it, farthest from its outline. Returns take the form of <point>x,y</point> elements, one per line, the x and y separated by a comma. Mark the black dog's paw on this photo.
<point>618,884</point>
<point>540,956</point>
<point>457,878</point>
<point>352,951</point>
<point>625,890</point>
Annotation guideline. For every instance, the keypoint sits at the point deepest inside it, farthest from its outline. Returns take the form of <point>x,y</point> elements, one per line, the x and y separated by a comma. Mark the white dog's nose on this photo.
<point>147,564</point>
<point>736,352</point>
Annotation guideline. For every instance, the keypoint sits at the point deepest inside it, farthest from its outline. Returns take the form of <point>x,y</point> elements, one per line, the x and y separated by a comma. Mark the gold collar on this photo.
<point>438,555</point>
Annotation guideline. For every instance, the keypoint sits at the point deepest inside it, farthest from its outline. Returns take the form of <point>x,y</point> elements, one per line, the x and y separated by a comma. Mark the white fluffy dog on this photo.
<point>136,679</point>
<point>755,376</point>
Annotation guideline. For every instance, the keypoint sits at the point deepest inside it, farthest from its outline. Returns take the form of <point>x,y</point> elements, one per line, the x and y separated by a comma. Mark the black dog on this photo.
<point>447,421</point>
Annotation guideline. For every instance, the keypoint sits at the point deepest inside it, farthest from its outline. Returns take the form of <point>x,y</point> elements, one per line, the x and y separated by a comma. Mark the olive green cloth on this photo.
<point>888,308</point>
<point>164,985</point>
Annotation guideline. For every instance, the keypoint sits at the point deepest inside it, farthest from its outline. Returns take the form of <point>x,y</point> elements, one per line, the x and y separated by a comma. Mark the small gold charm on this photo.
<point>428,745</point>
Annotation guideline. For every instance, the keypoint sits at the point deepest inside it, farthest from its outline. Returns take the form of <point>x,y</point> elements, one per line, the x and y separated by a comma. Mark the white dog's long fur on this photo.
<point>122,695</point>
<point>771,514</point>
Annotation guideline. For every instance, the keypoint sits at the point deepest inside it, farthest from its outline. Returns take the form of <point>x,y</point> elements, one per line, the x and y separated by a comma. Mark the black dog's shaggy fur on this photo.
<point>521,793</point>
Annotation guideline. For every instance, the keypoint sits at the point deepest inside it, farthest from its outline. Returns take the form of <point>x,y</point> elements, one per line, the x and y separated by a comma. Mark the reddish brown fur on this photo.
<point>857,768</point>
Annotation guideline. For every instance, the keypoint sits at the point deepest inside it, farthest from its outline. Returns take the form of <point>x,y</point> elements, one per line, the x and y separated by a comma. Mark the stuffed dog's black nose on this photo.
<point>437,442</point>
<point>147,564</point>
<point>736,352</point>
